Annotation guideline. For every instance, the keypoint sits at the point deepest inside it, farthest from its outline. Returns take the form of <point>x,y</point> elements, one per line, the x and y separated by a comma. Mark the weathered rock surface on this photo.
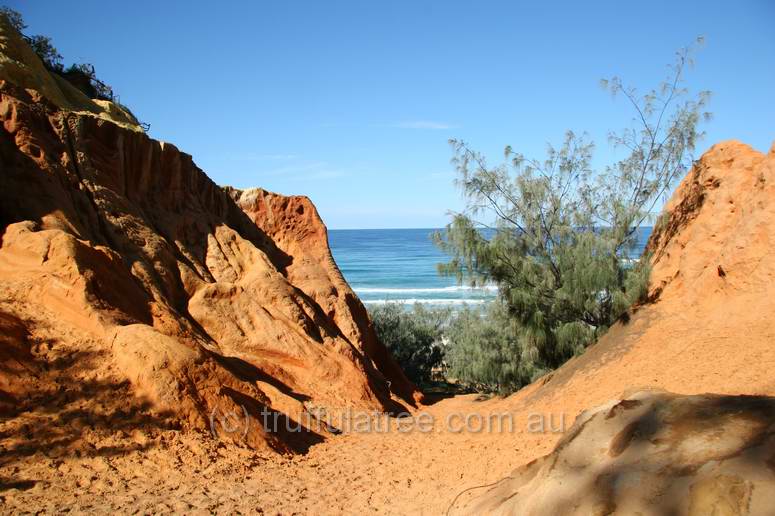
<point>713,246</point>
<point>651,453</point>
<point>294,225</point>
<point>128,251</point>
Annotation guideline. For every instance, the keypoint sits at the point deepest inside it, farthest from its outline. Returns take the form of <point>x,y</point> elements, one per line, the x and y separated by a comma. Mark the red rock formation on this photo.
<point>122,243</point>
<point>294,225</point>
<point>714,243</point>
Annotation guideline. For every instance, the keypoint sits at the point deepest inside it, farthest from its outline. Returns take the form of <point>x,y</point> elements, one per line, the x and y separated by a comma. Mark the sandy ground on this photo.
<point>388,472</point>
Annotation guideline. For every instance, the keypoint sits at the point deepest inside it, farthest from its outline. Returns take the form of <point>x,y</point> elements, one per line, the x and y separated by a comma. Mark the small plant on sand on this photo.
<point>557,231</point>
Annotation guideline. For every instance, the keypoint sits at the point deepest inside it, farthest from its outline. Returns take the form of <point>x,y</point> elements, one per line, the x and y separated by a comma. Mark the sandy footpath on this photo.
<point>388,472</point>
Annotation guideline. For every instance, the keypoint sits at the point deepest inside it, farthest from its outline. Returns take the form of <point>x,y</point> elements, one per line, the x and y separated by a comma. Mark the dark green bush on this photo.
<point>483,351</point>
<point>413,337</point>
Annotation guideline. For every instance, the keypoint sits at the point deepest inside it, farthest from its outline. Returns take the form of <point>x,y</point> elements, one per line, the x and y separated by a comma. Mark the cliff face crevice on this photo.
<point>123,241</point>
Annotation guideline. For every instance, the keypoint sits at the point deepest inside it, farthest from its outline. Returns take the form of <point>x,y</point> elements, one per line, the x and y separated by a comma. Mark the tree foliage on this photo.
<point>83,77</point>
<point>44,48</point>
<point>413,337</point>
<point>552,233</point>
<point>483,350</point>
<point>14,18</point>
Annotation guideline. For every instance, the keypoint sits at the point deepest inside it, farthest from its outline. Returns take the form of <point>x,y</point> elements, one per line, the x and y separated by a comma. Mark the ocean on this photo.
<point>399,265</point>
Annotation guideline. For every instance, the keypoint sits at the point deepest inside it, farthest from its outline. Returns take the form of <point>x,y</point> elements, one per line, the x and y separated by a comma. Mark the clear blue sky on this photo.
<point>352,103</point>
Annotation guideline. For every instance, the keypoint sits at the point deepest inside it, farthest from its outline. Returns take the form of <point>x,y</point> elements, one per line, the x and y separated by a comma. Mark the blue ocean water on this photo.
<point>399,265</point>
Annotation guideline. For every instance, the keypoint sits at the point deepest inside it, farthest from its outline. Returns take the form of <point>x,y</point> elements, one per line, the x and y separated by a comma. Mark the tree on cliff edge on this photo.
<point>556,231</point>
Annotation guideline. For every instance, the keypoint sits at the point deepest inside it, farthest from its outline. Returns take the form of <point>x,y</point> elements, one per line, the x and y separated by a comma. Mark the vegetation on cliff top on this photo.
<point>82,76</point>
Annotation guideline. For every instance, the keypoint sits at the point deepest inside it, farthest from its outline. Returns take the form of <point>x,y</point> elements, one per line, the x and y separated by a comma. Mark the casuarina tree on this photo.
<point>552,233</point>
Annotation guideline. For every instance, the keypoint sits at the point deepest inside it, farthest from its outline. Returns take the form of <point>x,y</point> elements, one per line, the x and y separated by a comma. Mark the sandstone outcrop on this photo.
<point>651,453</point>
<point>293,223</point>
<point>119,246</point>
<point>712,248</point>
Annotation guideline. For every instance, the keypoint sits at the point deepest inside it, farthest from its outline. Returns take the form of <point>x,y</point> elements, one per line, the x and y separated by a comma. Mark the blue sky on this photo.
<point>352,103</point>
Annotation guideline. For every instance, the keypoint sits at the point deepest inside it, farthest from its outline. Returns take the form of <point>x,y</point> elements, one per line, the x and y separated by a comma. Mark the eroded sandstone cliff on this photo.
<point>296,228</point>
<point>124,265</point>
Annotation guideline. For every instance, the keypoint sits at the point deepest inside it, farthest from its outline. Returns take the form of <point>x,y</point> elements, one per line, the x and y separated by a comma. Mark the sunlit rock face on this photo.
<point>651,453</point>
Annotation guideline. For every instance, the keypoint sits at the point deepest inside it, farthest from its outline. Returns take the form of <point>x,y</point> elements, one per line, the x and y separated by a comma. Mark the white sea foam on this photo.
<point>439,290</point>
<point>411,301</point>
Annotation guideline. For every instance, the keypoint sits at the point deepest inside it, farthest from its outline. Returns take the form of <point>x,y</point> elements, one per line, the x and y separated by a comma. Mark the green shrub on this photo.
<point>412,336</point>
<point>483,351</point>
<point>84,77</point>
